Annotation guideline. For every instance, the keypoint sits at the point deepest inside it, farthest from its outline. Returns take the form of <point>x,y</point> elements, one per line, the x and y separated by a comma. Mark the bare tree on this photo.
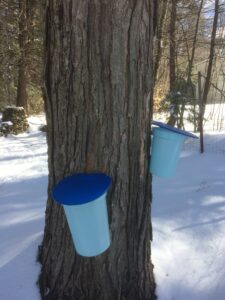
<point>23,46</point>
<point>172,36</point>
<point>25,38</point>
<point>172,59</point>
<point>162,8</point>
<point>191,60</point>
<point>211,56</point>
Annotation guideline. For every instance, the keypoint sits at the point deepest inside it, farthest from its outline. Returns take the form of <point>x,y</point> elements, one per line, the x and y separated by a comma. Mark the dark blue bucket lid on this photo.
<point>171,128</point>
<point>81,188</point>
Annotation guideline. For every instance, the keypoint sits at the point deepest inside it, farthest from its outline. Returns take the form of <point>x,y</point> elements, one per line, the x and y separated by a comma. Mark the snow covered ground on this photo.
<point>23,189</point>
<point>188,217</point>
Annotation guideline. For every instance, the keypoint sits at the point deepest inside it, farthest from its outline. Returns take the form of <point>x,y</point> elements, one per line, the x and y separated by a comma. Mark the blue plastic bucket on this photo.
<point>83,197</point>
<point>165,151</point>
<point>166,147</point>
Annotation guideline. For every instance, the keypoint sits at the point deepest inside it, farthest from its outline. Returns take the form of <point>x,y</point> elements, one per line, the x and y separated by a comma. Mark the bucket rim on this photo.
<point>174,129</point>
<point>81,188</point>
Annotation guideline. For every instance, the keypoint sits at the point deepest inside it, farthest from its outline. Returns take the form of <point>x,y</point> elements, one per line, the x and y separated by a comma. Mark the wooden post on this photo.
<point>195,105</point>
<point>200,113</point>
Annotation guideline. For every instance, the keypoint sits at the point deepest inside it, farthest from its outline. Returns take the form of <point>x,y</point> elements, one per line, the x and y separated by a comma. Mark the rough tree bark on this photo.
<point>98,100</point>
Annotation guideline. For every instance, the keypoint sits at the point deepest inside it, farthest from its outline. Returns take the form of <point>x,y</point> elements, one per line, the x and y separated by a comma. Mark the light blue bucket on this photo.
<point>83,197</point>
<point>166,147</point>
<point>165,152</point>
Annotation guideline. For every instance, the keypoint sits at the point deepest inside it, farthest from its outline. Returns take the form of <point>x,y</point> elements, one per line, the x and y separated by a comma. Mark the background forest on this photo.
<point>189,61</point>
<point>189,38</point>
<point>21,39</point>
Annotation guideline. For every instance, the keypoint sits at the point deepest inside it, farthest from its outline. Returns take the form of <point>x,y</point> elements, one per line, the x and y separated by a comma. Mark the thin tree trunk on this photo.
<point>24,47</point>
<point>172,59</point>
<point>191,61</point>
<point>190,64</point>
<point>99,101</point>
<point>162,10</point>
<point>211,57</point>
<point>172,36</point>
<point>190,67</point>
<point>22,95</point>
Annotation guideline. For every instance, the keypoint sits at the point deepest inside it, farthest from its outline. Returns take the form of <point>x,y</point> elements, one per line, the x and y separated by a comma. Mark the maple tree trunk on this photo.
<point>98,82</point>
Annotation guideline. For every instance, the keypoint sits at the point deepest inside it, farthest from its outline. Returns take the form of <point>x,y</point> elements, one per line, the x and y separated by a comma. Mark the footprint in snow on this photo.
<point>203,185</point>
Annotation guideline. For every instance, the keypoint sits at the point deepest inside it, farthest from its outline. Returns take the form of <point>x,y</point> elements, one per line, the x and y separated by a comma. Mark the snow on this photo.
<point>214,118</point>
<point>9,123</point>
<point>188,215</point>
<point>23,189</point>
<point>15,107</point>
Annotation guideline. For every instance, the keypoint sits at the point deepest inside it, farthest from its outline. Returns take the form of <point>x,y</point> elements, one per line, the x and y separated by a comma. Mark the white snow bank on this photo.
<point>188,217</point>
<point>23,194</point>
